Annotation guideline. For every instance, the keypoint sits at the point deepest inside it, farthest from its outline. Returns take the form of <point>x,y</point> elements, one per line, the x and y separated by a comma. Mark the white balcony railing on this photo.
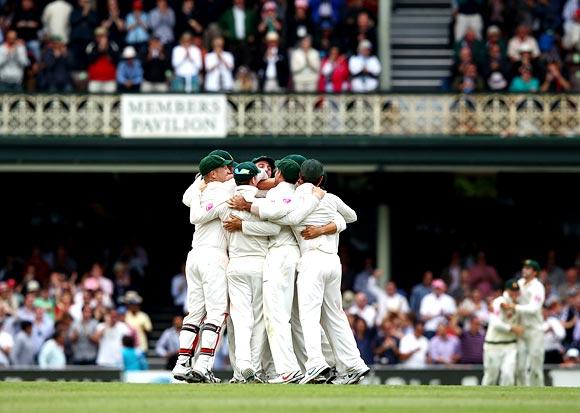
<point>309,115</point>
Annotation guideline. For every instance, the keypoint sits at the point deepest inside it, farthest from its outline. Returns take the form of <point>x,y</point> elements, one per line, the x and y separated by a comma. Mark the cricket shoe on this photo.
<point>205,376</point>
<point>250,376</point>
<point>314,372</point>
<point>182,372</point>
<point>353,377</point>
<point>235,380</point>
<point>292,377</point>
<point>333,374</point>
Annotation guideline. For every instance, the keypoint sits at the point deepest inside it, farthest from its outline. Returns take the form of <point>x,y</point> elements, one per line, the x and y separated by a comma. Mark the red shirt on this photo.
<point>103,69</point>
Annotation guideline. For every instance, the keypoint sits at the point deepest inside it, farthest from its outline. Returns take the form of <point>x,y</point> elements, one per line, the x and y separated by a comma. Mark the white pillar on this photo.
<point>384,241</point>
<point>384,38</point>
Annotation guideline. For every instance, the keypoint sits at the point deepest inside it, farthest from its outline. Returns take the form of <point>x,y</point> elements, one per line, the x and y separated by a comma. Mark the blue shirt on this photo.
<point>134,359</point>
<point>130,72</point>
<point>419,291</point>
<point>137,34</point>
<point>519,85</point>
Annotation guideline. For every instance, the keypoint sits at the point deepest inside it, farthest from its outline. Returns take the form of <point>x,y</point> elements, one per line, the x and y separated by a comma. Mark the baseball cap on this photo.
<point>438,283</point>
<point>211,162</point>
<point>532,264</point>
<point>289,169</point>
<point>245,170</point>
<point>222,153</point>
<point>266,158</point>
<point>512,284</point>
<point>572,353</point>
<point>299,159</point>
<point>129,53</point>
<point>311,170</point>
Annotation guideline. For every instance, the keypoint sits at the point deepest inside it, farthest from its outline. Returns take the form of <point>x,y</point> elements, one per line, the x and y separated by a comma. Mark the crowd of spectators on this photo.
<point>527,46</point>
<point>51,314</point>
<point>188,45</point>
<point>443,320</point>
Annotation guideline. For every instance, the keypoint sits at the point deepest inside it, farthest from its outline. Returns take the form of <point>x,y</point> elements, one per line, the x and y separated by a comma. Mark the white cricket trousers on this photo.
<point>499,362</point>
<point>464,22</point>
<point>320,303</point>
<point>245,280</point>
<point>278,290</point>
<point>530,359</point>
<point>207,302</point>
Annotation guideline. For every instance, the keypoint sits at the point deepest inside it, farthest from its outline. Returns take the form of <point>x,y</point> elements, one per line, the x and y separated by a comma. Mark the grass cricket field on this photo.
<point>152,398</point>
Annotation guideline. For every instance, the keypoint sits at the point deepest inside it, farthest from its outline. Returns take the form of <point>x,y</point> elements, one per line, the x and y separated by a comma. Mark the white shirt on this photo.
<point>369,314</point>
<point>530,303</point>
<point>437,308</point>
<point>187,62</point>
<point>55,19</point>
<point>218,74</point>
<point>110,345</point>
<point>6,343</point>
<point>305,66</point>
<point>272,59</point>
<point>364,82</point>
<point>554,333</point>
<point>179,289</point>
<point>515,44</point>
<point>240,22</point>
<point>410,343</point>
<point>501,322</point>
<point>387,303</point>
<point>51,356</point>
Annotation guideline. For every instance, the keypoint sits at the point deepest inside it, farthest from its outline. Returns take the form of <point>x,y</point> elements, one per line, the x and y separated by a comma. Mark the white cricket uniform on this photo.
<point>500,346</point>
<point>247,254</point>
<point>318,285</point>
<point>530,360</point>
<point>205,271</point>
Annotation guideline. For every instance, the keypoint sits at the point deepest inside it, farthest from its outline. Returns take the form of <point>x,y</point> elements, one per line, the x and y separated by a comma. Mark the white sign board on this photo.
<point>173,116</point>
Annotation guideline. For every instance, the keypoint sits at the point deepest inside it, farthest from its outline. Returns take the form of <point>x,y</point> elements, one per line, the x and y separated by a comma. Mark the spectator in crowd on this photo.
<point>114,23</point>
<point>568,316</point>
<point>162,22</point>
<point>41,267</point>
<point>364,69</point>
<point>555,273</point>
<point>133,358</point>
<point>494,38</point>
<point>55,19</point>
<point>305,66</point>
<point>326,10</point>
<point>238,25</point>
<point>420,291</point>
<point>551,296</point>
<point>523,39</point>
<point>97,273</point>
<point>413,347</point>
<point>571,39</point>
<point>362,309</point>
<point>137,25</point>
<point>155,67</point>
<point>387,344</point>
<point>389,301</point>
<point>102,56</point>
<point>570,282</point>
<point>27,312</point>
<point>270,21</point>
<point>122,278</point>
<point>51,354</point>
<point>363,336</point>
<point>573,65</point>
<point>483,276</point>
<point>23,351</point>
<point>179,290</point>
<point>555,81</point>
<point>137,320</point>
<point>364,30</point>
<point>471,340</point>
<point>246,80</point>
<point>469,82</point>
<point>46,302</point>
<point>554,334</point>
<point>82,337</point>
<point>473,43</point>
<point>13,60</point>
<point>189,19</point>
<point>525,82</point>
<point>468,15</point>
<point>474,306</point>
<point>334,75</point>
<point>26,22</point>
<point>274,71</point>
<point>497,71</point>
<point>56,66</point>
<point>298,24</point>
<point>436,307</point>
<point>109,335</point>
<point>452,273</point>
<point>83,22</point>
<point>444,348</point>
<point>361,280</point>
<point>129,71</point>
<point>219,67</point>
<point>168,344</point>
<point>187,64</point>
<point>6,345</point>
<point>42,328</point>
<point>8,302</point>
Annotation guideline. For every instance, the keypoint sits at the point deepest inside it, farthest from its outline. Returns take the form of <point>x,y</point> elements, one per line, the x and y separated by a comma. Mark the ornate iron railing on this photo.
<point>310,115</point>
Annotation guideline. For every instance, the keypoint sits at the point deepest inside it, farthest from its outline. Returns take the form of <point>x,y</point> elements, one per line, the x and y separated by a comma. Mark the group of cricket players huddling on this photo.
<point>513,350</point>
<point>264,262</point>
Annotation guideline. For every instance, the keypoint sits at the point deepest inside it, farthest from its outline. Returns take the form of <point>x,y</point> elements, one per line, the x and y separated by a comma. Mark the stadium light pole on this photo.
<point>384,52</point>
<point>384,242</point>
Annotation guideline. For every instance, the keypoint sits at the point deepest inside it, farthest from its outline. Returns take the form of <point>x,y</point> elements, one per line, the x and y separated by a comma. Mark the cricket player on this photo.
<point>500,346</point>
<point>530,361</point>
<point>206,276</point>
<point>265,163</point>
